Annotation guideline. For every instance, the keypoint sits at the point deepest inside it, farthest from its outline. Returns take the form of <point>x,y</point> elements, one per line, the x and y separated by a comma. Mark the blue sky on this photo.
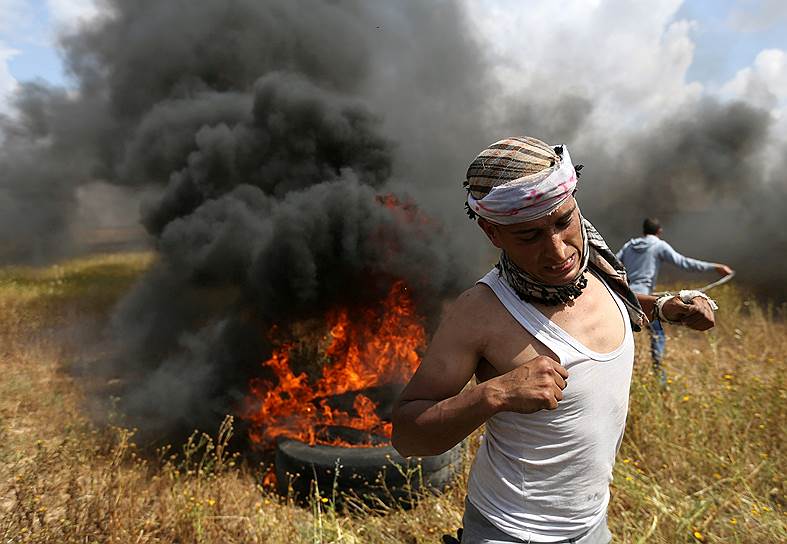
<point>31,33</point>
<point>28,35</point>
<point>729,35</point>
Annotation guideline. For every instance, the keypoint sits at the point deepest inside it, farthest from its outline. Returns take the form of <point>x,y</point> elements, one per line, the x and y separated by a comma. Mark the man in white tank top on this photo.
<point>548,336</point>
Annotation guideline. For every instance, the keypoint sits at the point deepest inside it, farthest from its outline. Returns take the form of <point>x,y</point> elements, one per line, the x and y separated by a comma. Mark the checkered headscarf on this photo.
<point>508,160</point>
<point>519,179</point>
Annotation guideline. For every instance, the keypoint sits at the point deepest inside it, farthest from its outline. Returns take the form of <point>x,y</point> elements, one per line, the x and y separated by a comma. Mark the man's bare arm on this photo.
<point>435,411</point>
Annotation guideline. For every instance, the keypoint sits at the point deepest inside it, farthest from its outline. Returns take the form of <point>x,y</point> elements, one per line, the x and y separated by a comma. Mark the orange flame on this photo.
<point>269,479</point>
<point>368,351</point>
<point>405,210</point>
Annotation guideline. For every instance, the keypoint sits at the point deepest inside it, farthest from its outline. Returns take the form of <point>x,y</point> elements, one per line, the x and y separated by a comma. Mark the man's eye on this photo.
<point>527,238</point>
<point>563,224</point>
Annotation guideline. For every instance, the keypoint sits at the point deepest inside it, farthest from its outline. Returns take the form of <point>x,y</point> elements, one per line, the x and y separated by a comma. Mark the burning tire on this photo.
<point>369,473</point>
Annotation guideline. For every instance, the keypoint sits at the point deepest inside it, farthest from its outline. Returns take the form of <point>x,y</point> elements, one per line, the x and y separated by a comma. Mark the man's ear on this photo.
<point>491,231</point>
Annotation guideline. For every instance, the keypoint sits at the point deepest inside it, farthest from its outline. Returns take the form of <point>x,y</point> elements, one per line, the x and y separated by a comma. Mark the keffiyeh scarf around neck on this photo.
<point>596,255</point>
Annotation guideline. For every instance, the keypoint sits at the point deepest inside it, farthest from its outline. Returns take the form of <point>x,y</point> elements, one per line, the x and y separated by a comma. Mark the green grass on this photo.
<point>701,461</point>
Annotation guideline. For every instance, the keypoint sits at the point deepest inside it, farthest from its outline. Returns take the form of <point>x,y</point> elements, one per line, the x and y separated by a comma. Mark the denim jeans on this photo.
<point>657,341</point>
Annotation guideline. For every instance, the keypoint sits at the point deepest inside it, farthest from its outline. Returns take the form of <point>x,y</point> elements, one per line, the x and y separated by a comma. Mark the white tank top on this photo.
<point>544,477</point>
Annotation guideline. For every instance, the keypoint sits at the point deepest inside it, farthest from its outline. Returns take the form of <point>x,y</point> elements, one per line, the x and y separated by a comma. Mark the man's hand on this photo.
<point>697,315</point>
<point>536,385</point>
<point>723,269</point>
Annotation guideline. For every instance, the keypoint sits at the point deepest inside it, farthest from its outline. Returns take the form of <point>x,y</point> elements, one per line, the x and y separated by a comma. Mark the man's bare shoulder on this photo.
<point>479,321</point>
<point>464,329</point>
<point>455,349</point>
<point>476,300</point>
<point>472,311</point>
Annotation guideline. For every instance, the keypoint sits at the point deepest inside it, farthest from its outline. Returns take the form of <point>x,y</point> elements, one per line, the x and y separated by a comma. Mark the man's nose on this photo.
<point>556,247</point>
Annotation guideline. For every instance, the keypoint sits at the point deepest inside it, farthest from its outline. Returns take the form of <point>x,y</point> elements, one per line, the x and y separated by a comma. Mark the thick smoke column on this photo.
<point>271,129</point>
<point>298,134</point>
<point>40,164</point>
<point>712,175</point>
<point>268,129</point>
<point>156,81</point>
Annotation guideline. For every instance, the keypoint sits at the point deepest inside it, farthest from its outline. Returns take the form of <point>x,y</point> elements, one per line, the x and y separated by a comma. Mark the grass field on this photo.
<point>700,462</point>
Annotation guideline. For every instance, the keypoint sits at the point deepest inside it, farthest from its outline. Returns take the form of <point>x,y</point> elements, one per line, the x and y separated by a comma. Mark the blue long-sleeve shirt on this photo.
<point>643,256</point>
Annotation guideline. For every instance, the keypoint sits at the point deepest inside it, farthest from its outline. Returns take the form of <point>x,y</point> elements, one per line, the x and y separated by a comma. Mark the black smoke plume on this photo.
<point>265,132</point>
<point>271,130</point>
<point>715,177</point>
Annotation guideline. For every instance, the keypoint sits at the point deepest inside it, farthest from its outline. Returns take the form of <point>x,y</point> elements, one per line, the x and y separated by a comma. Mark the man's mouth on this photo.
<point>564,266</point>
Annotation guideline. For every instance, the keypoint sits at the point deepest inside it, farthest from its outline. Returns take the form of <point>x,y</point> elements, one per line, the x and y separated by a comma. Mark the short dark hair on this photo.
<point>651,225</point>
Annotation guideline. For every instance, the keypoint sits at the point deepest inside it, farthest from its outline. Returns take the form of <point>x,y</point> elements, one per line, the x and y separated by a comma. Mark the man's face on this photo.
<point>548,249</point>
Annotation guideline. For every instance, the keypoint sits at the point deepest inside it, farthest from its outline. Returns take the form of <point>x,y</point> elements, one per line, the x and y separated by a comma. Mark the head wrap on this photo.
<point>519,179</point>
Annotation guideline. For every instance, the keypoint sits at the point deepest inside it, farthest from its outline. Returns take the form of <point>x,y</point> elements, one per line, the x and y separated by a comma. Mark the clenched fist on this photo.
<point>697,315</point>
<point>535,385</point>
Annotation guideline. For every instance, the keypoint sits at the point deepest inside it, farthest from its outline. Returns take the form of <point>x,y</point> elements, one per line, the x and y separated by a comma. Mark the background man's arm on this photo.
<point>669,255</point>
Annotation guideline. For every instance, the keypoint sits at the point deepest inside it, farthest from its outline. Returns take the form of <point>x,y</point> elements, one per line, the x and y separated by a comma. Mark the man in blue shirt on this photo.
<point>642,258</point>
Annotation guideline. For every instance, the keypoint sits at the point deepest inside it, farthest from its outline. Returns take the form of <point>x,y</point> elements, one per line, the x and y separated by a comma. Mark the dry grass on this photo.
<point>701,461</point>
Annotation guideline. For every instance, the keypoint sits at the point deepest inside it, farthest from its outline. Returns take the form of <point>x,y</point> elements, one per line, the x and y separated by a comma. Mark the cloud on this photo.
<point>70,13</point>
<point>11,13</point>
<point>24,23</point>
<point>8,83</point>
<point>757,15</point>
<point>627,56</point>
<point>764,83</point>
